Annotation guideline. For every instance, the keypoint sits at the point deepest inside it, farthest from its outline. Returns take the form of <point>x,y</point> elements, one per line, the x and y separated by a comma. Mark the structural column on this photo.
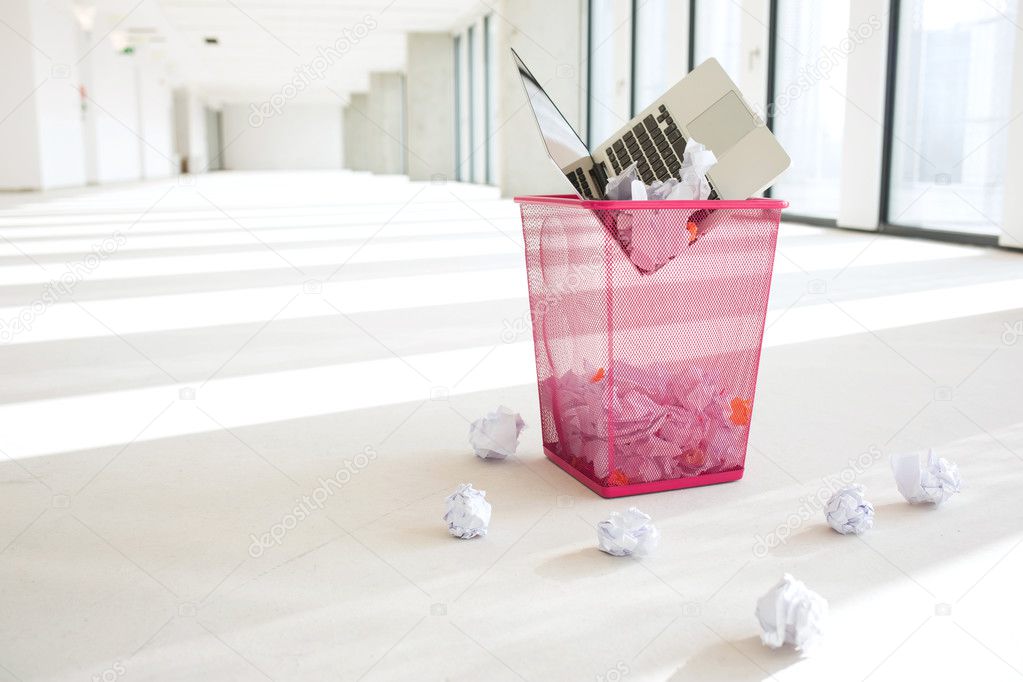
<point>356,133</point>
<point>430,94</point>
<point>42,133</point>
<point>863,135</point>
<point>386,122</point>
<point>1012,212</point>
<point>554,52</point>
<point>190,142</point>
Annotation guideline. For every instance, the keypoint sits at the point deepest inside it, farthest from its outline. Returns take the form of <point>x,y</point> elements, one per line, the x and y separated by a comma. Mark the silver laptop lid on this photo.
<point>563,143</point>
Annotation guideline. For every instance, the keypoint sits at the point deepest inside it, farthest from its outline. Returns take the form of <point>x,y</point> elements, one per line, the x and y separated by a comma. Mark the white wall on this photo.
<point>113,111</point>
<point>41,136</point>
<point>301,137</point>
<point>129,122</point>
<point>19,162</point>
<point>155,119</point>
<point>57,103</point>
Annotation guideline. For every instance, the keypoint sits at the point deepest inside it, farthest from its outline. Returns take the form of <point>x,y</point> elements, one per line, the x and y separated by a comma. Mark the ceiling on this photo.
<point>265,44</point>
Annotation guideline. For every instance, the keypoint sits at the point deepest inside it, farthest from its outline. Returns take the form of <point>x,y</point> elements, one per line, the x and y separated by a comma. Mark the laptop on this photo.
<point>705,106</point>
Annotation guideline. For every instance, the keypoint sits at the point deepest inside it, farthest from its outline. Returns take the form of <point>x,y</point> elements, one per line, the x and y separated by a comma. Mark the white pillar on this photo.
<point>112,106</point>
<point>386,119</point>
<point>553,51</point>
<point>155,117</point>
<point>1012,213</point>
<point>479,106</point>
<point>430,92</point>
<point>356,133</point>
<point>863,136</point>
<point>18,80</point>
<point>190,130</point>
<point>42,136</point>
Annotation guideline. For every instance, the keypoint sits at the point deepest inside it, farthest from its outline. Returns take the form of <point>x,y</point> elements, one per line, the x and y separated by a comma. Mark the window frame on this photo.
<point>457,57</point>
<point>489,88</point>
<point>470,69</point>
<point>772,85</point>
<point>884,223</point>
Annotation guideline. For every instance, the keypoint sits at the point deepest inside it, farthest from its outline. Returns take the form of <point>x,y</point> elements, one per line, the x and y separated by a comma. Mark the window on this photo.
<point>809,103</point>
<point>470,79</point>
<point>476,101</point>
<point>652,73</point>
<point>458,107</point>
<point>718,34</point>
<point>951,109</point>
<point>610,38</point>
<point>491,85</point>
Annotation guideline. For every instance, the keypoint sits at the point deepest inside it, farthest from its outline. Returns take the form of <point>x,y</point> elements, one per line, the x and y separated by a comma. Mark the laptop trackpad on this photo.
<point>722,125</point>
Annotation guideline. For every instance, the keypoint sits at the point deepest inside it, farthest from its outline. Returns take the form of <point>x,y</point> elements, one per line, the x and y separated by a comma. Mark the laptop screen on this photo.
<point>563,144</point>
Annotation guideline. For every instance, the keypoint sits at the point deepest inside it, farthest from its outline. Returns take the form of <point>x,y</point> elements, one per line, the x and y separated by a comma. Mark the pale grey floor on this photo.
<point>194,385</point>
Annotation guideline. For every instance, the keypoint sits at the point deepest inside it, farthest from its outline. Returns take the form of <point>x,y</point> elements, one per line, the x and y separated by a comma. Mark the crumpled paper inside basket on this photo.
<point>651,238</point>
<point>664,424</point>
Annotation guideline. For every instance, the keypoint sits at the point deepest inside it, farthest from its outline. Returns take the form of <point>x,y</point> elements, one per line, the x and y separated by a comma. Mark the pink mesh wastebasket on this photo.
<point>647,322</point>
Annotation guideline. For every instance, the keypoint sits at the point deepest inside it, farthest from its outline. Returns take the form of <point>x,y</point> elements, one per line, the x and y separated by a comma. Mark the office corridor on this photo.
<point>232,408</point>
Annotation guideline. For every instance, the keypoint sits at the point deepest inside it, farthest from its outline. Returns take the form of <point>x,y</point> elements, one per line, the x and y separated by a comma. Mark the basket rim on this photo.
<point>573,200</point>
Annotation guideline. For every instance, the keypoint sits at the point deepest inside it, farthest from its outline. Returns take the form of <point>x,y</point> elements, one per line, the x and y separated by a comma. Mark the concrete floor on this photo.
<point>249,336</point>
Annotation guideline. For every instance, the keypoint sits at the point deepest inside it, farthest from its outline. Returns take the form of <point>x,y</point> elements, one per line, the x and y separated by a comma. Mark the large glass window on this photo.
<point>490,117</point>
<point>951,109</point>
<point>461,115</point>
<point>459,108</point>
<point>470,79</point>
<point>652,75</point>
<point>476,101</point>
<point>809,103</point>
<point>718,34</point>
<point>609,68</point>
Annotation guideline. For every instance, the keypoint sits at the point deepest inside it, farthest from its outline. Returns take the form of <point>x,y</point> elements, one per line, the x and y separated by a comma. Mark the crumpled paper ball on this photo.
<point>468,512</point>
<point>496,435</point>
<point>849,512</point>
<point>619,188</point>
<point>696,161</point>
<point>628,533</point>
<point>933,481</point>
<point>791,613</point>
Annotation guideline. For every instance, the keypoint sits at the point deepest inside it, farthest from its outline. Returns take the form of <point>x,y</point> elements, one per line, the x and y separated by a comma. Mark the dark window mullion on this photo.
<point>691,57</point>
<point>772,64</point>
<point>894,10</point>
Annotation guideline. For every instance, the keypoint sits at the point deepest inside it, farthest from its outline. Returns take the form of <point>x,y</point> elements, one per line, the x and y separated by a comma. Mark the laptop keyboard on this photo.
<point>578,180</point>
<point>655,145</point>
